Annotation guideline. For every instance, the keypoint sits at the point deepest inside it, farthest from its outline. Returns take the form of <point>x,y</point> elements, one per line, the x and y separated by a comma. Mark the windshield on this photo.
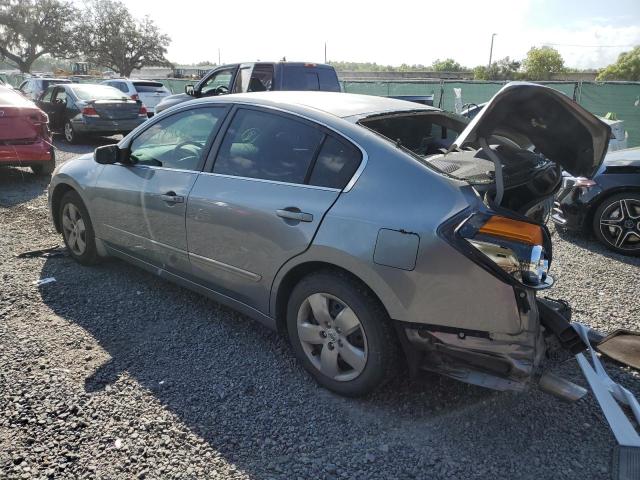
<point>98,92</point>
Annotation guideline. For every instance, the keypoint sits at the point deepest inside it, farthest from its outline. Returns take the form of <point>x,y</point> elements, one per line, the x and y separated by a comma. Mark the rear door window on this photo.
<point>48,94</point>
<point>261,79</point>
<point>268,146</point>
<point>337,161</point>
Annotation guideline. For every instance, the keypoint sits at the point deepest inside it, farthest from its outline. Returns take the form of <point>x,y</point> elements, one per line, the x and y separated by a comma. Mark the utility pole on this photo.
<point>325,52</point>
<point>220,63</point>
<point>491,49</point>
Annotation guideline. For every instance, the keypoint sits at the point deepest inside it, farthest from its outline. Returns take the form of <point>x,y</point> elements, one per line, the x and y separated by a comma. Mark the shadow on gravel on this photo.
<point>589,242</point>
<point>228,379</point>
<point>20,185</point>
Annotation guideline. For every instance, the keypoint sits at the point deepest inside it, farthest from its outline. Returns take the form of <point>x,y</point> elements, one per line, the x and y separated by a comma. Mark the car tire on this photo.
<point>46,168</point>
<point>616,223</point>
<point>70,135</point>
<point>353,360</point>
<point>77,229</point>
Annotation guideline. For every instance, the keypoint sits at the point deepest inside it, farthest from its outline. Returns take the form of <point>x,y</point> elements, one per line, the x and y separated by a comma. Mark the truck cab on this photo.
<point>258,77</point>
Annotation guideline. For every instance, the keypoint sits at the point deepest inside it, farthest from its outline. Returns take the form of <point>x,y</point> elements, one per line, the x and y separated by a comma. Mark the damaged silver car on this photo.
<point>368,230</point>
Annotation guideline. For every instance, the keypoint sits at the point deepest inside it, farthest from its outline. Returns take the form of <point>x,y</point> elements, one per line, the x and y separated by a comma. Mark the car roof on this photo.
<point>342,105</point>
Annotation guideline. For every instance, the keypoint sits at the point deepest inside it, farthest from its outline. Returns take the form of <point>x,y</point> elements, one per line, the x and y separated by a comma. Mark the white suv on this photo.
<point>148,92</point>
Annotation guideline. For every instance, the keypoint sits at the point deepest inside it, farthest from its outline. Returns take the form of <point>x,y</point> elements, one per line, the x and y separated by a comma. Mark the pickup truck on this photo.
<point>258,77</point>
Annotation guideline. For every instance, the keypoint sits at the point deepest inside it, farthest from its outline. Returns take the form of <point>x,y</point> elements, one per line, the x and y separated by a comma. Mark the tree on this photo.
<point>446,65</point>
<point>504,69</point>
<point>541,63</point>
<point>113,38</point>
<point>626,68</point>
<point>30,29</point>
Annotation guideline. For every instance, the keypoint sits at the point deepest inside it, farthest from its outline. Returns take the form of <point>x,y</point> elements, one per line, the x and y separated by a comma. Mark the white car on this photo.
<point>147,91</point>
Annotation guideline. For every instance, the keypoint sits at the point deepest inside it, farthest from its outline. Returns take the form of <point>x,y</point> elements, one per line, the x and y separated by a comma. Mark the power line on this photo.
<point>587,46</point>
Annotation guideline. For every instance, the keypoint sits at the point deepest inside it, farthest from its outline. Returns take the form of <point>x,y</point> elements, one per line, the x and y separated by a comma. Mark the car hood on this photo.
<point>543,118</point>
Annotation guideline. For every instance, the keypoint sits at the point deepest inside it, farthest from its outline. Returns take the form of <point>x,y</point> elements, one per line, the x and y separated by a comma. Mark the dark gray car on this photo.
<point>77,110</point>
<point>372,232</point>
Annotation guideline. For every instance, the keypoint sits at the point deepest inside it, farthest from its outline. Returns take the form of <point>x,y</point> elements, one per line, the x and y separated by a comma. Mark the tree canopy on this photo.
<point>541,63</point>
<point>447,65</point>
<point>30,29</point>
<point>504,69</point>
<point>627,67</point>
<point>113,38</point>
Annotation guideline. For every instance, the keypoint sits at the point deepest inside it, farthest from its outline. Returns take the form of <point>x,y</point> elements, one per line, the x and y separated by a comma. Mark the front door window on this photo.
<point>177,141</point>
<point>219,83</point>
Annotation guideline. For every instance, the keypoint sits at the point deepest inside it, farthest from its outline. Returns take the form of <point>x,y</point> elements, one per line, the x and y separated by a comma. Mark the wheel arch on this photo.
<point>295,274</point>
<point>56,197</point>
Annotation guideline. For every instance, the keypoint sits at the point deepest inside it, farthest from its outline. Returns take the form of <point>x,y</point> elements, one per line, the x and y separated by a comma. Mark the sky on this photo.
<point>588,34</point>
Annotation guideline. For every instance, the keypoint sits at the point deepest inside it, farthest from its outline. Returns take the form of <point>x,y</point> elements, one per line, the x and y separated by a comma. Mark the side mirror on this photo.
<point>107,154</point>
<point>189,90</point>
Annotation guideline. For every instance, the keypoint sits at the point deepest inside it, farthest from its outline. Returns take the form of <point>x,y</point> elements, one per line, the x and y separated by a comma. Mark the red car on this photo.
<point>25,139</point>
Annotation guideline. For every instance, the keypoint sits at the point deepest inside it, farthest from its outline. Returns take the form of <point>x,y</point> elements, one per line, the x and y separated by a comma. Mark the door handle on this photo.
<point>171,197</point>
<point>296,214</point>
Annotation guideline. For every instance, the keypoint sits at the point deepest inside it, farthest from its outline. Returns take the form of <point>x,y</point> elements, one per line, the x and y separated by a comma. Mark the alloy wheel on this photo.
<point>620,224</point>
<point>332,337</point>
<point>74,229</point>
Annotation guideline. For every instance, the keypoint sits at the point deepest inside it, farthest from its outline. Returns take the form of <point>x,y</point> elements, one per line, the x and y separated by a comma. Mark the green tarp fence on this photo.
<point>621,98</point>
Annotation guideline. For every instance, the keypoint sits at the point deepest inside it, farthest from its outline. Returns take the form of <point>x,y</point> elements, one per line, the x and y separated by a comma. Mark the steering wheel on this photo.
<point>189,153</point>
<point>250,135</point>
<point>221,90</point>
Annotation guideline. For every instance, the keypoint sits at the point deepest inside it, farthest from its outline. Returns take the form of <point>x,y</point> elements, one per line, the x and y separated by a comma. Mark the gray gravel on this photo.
<point>112,373</point>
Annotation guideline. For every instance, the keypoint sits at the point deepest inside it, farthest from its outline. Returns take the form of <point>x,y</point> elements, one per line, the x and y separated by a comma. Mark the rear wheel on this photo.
<point>77,229</point>
<point>616,223</point>
<point>45,168</point>
<point>341,334</point>
<point>70,134</point>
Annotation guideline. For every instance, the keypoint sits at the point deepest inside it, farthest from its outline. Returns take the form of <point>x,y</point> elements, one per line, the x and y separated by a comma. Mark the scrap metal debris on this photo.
<point>43,281</point>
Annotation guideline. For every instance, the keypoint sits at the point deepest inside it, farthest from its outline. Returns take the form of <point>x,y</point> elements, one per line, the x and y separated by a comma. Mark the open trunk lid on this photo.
<point>548,120</point>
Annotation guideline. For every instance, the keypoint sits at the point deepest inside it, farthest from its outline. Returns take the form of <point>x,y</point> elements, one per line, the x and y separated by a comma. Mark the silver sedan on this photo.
<point>375,233</point>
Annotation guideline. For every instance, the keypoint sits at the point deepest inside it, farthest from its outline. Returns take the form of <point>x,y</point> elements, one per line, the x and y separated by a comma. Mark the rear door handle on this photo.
<point>171,197</point>
<point>295,215</point>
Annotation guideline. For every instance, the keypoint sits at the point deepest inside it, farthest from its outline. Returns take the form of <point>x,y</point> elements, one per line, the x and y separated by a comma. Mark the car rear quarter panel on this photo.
<point>445,288</point>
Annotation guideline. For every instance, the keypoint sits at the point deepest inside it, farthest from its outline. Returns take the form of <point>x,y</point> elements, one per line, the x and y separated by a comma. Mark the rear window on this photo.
<point>97,92</point>
<point>10,98</point>
<point>300,78</point>
<point>149,87</point>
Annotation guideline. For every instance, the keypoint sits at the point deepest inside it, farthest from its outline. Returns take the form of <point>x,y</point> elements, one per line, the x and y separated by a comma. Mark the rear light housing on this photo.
<point>514,250</point>
<point>143,111</point>
<point>135,97</point>
<point>90,112</point>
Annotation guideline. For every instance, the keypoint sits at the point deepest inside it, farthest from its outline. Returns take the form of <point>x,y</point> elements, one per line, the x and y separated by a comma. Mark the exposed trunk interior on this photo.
<point>530,179</point>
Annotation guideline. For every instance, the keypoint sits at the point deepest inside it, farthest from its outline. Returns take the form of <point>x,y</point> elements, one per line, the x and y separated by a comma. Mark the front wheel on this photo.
<point>341,334</point>
<point>77,229</point>
<point>616,223</point>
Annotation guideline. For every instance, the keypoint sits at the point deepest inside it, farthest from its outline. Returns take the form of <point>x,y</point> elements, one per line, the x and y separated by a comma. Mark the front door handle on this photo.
<point>295,214</point>
<point>171,197</point>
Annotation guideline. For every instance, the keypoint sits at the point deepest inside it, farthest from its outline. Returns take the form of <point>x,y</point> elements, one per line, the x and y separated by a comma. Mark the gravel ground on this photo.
<point>112,373</point>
